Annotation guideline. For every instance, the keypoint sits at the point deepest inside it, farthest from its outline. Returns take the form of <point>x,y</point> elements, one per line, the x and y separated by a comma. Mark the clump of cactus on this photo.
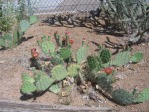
<point>96,69</point>
<point>12,40</point>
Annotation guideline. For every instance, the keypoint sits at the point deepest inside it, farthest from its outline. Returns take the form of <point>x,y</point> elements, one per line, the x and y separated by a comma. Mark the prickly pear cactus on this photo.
<point>59,72</point>
<point>81,54</point>
<point>121,59</point>
<point>28,88</point>
<point>55,89</point>
<point>2,42</point>
<point>48,47</point>
<point>65,53</point>
<point>122,97</point>
<point>105,81</point>
<point>33,19</point>
<point>57,60</point>
<point>73,70</point>
<point>24,25</point>
<point>27,78</point>
<point>92,62</point>
<point>136,57</point>
<point>143,96</point>
<point>28,84</point>
<point>105,56</point>
<point>42,81</point>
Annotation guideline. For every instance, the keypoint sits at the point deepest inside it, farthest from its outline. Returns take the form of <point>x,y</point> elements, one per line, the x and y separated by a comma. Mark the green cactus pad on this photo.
<point>122,97</point>
<point>33,19</point>
<point>73,70</point>
<point>59,72</point>
<point>43,81</point>
<point>121,59</point>
<point>105,81</point>
<point>57,60</point>
<point>48,47</point>
<point>55,89</point>
<point>92,62</point>
<point>28,88</point>
<point>143,96</point>
<point>24,25</point>
<point>136,57</point>
<point>105,56</point>
<point>2,42</point>
<point>65,53</point>
<point>27,78</point>
<point>81,54</point>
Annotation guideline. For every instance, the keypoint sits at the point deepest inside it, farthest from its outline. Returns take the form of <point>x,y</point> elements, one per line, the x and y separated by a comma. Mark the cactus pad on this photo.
<point>81,54</point>
<point>48,47</point>
<point>122,97</point>
<point>105,56</point>
<point>121,59</point>
<point>92,62</point>
<point>27,78</point>
<point>56,60</point>
<point>24,25</point>
<point>55,89</point>
<point>33,19</point>
<point>28,88</point>
<point>143,96</point>
<point>59,72</point>
<point>42,81</point>
<point>65,53</point>
<point>73,70</point>
<point>136,57</point>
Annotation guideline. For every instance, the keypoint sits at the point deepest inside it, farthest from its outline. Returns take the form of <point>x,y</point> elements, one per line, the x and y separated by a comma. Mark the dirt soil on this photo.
<point>13,62</point>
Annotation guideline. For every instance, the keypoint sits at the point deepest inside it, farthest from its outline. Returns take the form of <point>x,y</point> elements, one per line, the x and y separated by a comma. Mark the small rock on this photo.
<point>97,87</point>
<point>1,62</point>
<point>85,97</point>
<point>64,94</point>
<point>65,83</point>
